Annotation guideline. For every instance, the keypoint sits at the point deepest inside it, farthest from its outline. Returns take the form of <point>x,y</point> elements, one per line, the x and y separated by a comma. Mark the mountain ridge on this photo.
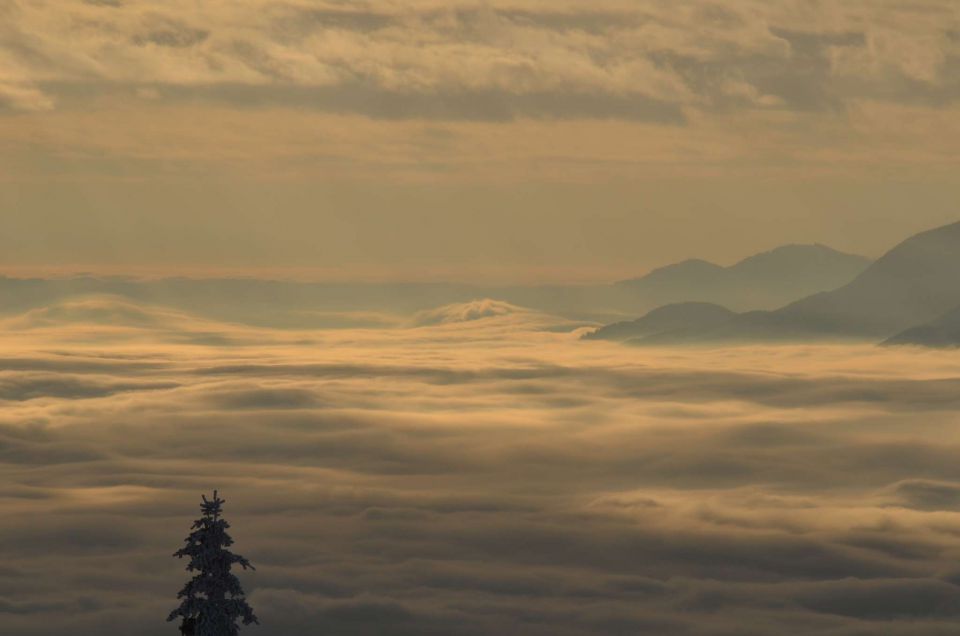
<point>664,319</point>
<point>765,280</point>
<point>912,284</point>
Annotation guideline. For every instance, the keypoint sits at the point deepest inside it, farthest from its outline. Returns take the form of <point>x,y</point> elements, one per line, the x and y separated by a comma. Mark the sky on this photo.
<point>508,140</point>
<point>456,460</point>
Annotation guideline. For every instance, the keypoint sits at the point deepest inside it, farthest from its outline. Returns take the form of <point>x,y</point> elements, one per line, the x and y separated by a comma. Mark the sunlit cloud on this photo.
<point>476,476</point>
<point>793,79</point>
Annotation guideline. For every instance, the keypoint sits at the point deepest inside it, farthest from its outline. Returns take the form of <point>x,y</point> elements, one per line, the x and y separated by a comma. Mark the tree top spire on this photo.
<point>212,601</point>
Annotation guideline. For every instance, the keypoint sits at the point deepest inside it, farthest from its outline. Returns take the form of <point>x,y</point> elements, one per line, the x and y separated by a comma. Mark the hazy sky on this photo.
<point>509,139</point>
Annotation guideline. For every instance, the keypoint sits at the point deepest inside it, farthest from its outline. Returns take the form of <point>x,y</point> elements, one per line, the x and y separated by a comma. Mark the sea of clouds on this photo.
<point>490,476</point>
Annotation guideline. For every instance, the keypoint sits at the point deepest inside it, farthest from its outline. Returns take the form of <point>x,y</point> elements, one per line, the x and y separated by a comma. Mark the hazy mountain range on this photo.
<point>676,317</point>
<point>763,281</point>
<point>911,295</point>
<point>942,332</point>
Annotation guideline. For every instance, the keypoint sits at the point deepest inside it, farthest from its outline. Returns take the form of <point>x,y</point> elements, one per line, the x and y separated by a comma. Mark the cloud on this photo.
<point>560,92</point>
<point>924,494</point>
<point>468,479</point>
<point>885,599</point>
<point>107,318</point>
<point>21,387</point>
<point>458,104</point>
<point>170,33</point>
<point>24,97</point>
<point>466,312</point>
<point>458,60</point>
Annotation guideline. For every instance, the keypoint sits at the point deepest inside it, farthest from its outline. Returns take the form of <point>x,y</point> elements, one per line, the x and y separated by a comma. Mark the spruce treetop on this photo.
<point>213,600</point>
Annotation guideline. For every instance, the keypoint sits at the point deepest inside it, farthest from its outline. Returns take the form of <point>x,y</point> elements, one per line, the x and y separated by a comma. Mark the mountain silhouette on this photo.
<point>762,281</point>
<point>942,332</point>
<point>694,315</point>
<point>913,284</point>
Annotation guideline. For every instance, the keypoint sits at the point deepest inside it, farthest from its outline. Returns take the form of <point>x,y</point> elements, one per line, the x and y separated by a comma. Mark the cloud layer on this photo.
<point>477,477</point>
<point>468,139</point>
<point>495,60</point>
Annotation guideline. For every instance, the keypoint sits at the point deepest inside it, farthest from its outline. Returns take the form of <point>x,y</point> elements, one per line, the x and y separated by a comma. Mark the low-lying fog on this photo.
<point>475,472</point>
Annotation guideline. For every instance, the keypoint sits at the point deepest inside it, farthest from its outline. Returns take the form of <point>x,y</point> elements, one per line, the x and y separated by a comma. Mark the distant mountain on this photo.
<point>942,332</point>
<point>914,283</point>
<point>308,305</point>
<point>665,319</point>
<point>762,281</point>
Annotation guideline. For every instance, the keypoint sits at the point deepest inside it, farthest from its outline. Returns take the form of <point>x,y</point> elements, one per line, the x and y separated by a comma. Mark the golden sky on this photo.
<point>505,139</point>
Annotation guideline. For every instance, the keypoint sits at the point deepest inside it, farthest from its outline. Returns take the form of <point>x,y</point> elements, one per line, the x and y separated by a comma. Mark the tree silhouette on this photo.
<point>213,599</point>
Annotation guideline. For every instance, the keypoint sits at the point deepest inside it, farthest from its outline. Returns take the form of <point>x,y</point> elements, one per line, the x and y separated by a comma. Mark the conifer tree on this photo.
<point>212,600</point>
